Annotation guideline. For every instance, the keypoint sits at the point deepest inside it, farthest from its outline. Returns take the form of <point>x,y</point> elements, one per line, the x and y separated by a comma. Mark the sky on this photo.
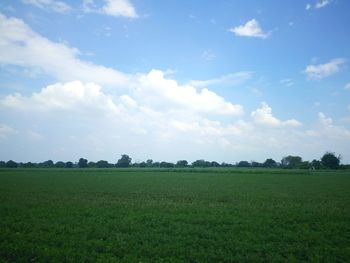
<point>168,80</point>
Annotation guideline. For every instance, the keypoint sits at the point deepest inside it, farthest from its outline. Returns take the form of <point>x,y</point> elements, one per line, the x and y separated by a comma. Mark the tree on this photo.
<point>2,164</point>
<point>91,164</point>
<point>270,163</point>
<point>256,164</point>
<point>166,165</point>
<point>243,164</point>
<point>11,164</point>
<point>69,165</point>
<point>181,163</point>
<point>60,164</point>
<point>316,164</point>
<point>149,163</point>
<point>201,163</point>
<point>214,164</point>
<point>83,163</point>
<point>330,160</point>
<point>291,161</point>
<point>47,164</point>
<point>124,161</point>
<point>102,164</point>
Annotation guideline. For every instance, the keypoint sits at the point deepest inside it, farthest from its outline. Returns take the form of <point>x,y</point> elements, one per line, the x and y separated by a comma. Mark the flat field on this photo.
<point>214,215</point>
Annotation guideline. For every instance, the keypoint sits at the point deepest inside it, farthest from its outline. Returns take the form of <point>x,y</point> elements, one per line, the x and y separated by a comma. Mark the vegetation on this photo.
<point>328,161</point>
<point>174,215</point>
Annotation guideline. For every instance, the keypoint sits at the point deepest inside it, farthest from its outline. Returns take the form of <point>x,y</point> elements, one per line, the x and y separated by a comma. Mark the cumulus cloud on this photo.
<point>321,71</point>
<point>21,46</point>
<point>157,89</point>
<point>112,8</point>
<point>263,115</point>
<point>250,29</point>
<point>50,5</point>
<point>329,129</point>
<point>71,96</point>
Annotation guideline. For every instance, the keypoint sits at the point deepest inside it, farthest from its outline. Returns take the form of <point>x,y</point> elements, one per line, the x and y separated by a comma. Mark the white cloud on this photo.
<point>347,86</point>
<point>163,92</point>
<point>23,47</point>
<point>6,131</point>
<point>319,4</point>
<point>263,115</point>
<point>287,82</point>
<point>250,29</point>
<point>208,55</point>
<point>322,3</point>
<point>50,5</point>
<point>232,79</point>
<point>112,8</point>
<point>324,70</point>
<point>71,96</point>
<point>330,130</point>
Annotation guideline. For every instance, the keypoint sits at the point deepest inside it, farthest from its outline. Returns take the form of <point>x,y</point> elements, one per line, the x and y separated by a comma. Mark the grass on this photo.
<point>184,215</point>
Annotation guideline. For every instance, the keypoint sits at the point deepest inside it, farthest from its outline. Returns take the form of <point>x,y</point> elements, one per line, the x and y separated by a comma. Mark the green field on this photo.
<point>213,215</point>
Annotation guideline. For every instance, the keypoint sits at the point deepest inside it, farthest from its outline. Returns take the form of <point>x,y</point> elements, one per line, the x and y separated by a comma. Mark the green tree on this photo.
<point>11,164</point>
<point>83,163</point>
<point>149,163</point>
<point>124,161</point>
<point>60,164</point>
<point>102,164</point>
<point>243,164</point>
<point>316,164</point>
<point>330,160</point>
<point>291,161</point>
<point>181,163</point>
<point>69,165</point>
<point>270,163</point>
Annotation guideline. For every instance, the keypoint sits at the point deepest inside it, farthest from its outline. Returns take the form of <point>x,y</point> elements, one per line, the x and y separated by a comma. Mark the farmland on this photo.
<point>188,215</point>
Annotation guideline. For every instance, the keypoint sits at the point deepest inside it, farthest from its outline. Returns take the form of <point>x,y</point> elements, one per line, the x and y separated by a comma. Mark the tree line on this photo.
<point>328,161</point>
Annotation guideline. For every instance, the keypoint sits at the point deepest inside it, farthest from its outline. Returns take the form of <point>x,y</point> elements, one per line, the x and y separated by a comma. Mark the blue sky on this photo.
<point>170,80</point>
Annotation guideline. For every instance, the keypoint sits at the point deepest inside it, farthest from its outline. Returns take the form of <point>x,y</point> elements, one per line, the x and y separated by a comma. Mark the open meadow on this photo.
<point>188,215</point>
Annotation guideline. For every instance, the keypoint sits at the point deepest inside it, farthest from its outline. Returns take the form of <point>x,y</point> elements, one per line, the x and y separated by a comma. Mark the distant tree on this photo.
<point>305,165</point>
<point>91,164</point>
<point>270,163</point>
<point>330,160</point>
<point>243,164</point>
<point>2,164</point>
<point>83,163</point>
<point>316,164</point>
<point>28,165</point>
<point>102,164</point>
<point>142,165</point>
<point>256,164</point>
<point>11,164</point>
<point>60,164</point>
<point>214,164</point>
<point>201,163</point>
<point>291,161</point>
<point>47,164</point>
<point>149,163</point>
<point>124,161</point>
<point>166,165</point>
<point>181,164</point>
<point>226,165</point>
<point>156,164</point>
<point>69,165</point>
